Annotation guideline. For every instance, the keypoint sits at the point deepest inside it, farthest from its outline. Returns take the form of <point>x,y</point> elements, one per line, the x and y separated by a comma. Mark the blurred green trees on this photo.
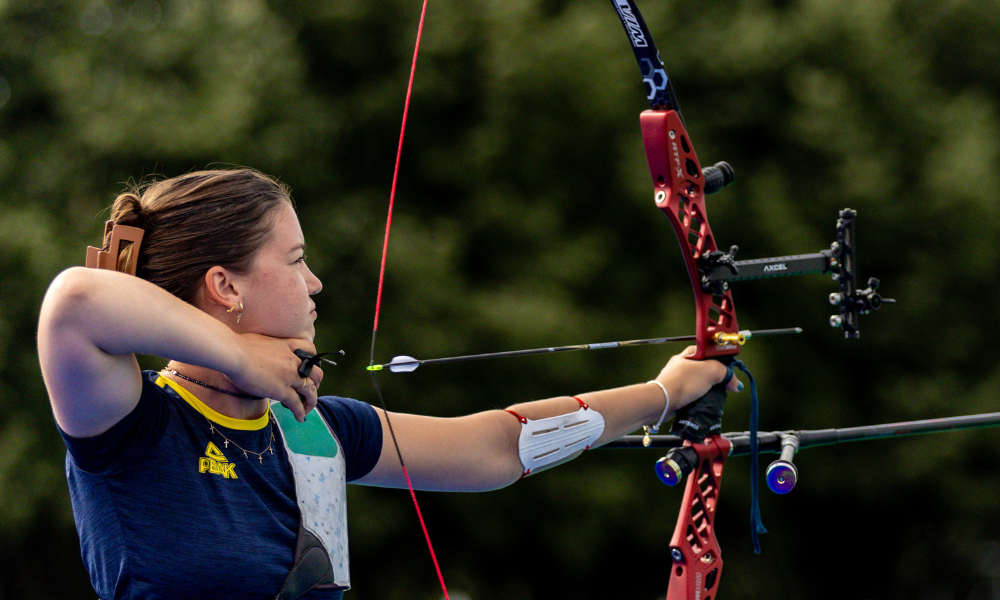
<point>524,218</point>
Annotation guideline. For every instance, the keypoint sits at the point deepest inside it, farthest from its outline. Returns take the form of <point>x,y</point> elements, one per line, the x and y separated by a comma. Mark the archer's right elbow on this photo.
<point>67,298</point>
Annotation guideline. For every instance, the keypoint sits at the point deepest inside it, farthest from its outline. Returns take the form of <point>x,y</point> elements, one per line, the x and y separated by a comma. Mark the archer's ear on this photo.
<point>220,288</point>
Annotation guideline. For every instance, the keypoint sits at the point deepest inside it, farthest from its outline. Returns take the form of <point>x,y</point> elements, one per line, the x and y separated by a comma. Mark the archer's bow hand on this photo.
<point>688,380</point>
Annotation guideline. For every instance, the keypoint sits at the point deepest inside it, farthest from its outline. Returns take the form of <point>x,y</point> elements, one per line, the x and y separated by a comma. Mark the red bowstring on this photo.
<point>378,301</point>
<point>395,172</point>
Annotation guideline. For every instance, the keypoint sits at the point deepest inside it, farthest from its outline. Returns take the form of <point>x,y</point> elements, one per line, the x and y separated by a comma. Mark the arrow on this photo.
<point>407,364</point>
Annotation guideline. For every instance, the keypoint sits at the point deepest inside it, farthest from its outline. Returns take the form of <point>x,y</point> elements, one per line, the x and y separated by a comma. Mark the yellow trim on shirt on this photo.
<point>210,414</point>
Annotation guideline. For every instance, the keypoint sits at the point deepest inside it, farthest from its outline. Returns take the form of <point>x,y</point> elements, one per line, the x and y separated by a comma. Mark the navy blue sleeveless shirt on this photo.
<point>167,509</point>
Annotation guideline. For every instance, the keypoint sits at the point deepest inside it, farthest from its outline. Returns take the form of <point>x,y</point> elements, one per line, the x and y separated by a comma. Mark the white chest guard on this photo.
<point>320,474</point>
<point>546,443</point>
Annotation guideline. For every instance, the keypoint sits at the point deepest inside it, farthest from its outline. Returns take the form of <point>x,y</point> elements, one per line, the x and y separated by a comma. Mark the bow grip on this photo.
<point>694,423</point>
<point>703,417</point>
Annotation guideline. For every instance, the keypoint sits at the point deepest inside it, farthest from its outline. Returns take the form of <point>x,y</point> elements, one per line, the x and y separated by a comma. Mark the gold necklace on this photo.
<point>246,453</point>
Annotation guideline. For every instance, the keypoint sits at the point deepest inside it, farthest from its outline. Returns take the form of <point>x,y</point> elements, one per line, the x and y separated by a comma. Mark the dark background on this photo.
<point>525,218</point>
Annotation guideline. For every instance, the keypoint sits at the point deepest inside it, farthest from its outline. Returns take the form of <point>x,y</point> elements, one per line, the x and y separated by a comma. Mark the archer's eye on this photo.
<point>301,259</point>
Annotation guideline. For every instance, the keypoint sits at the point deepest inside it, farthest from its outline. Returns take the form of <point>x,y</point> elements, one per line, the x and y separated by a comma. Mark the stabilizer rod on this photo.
<point>770,442</point>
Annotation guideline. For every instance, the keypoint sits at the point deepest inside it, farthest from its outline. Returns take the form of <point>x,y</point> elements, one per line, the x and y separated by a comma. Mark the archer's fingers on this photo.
<point>733,384</point>
<point>729,379</point>
<point>317,376</point>
<point>293,402</point>
<point>308,394</point>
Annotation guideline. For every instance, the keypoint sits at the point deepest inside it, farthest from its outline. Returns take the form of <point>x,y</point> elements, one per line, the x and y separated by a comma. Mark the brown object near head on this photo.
<point>120,234</point>
<point>191,223</point>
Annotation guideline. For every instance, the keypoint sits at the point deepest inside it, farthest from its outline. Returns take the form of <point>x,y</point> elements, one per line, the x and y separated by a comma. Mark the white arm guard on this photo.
<point>548,442</point>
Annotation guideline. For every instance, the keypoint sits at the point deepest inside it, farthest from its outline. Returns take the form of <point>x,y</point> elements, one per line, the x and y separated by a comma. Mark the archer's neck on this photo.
<point>224,404</point>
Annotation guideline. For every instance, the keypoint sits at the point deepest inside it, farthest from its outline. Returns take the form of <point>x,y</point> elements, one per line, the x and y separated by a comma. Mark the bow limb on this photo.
<point>694,549</point>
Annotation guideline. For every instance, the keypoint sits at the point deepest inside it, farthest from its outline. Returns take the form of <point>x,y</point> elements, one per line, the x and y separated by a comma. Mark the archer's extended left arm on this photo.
<point>485,451</point>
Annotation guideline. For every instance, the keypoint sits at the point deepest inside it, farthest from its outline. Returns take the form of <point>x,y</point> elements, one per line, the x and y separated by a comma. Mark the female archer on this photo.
<point>193,482</point>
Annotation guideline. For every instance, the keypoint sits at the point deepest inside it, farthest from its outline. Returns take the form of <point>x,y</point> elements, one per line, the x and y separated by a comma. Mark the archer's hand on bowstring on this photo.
<point>268,367</point>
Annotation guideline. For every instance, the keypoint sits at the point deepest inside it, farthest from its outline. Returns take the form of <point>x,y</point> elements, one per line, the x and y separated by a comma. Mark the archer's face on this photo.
<point>279,287</point>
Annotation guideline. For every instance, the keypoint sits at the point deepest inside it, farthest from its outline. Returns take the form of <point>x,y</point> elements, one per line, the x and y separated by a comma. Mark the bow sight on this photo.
<point>718,269</point>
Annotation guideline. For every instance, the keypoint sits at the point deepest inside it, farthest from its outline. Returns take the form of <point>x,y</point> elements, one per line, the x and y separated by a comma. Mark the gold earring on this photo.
<point>238,314</point>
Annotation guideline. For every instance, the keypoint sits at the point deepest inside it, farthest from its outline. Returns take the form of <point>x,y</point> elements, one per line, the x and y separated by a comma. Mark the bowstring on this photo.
<point>378,301</point>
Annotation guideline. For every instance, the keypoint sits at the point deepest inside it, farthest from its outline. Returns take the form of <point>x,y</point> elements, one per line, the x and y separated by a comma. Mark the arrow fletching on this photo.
<point>403,364</point>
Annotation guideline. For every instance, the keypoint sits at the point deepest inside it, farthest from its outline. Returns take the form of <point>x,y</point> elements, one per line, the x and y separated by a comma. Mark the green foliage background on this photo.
<point>525,218</point>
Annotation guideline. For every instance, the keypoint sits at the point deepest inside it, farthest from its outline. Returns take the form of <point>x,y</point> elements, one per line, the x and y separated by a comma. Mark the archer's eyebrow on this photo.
<point>298,247</point>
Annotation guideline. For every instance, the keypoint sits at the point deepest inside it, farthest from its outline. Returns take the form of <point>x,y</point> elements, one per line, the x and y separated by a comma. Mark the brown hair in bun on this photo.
<point>195,222</point>
<point>126,210</point>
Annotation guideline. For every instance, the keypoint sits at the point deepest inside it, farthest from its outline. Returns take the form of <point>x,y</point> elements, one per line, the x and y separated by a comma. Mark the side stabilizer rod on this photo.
<point>782,474</point>
<point>770,442</point>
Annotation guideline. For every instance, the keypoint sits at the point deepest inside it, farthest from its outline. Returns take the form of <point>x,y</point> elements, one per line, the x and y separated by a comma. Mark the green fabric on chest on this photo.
<point>311,438</point>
